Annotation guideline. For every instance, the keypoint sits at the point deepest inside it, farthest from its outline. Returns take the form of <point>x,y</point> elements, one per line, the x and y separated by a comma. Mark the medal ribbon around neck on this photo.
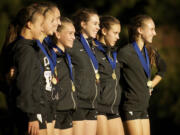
<point>112,62</point>
<point>48,40</point>
<point>50,43</point>
<point>69,62</point>
<point>89,52</point>
<point>145,62</point>
<point>40,45</point>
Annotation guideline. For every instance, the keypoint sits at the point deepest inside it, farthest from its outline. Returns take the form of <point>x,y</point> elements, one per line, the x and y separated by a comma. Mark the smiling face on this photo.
<point>66,36</point>
<point>147,30</point>
<point>91,27</point>
<point>112,35</point>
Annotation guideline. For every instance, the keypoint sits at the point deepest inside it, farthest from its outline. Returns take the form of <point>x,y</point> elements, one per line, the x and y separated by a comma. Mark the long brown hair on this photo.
<point>46,7</point>
<point>23,16</point>
<point>134,24</point>
<point>106,22</point>
<point>82,15</point>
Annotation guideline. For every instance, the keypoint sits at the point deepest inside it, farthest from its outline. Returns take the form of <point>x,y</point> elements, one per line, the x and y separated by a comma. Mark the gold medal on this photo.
<point>97,76</point>
<point>149,84</point>
<point>114,75</point>
<point>54,80</point>
<point>73,87</point>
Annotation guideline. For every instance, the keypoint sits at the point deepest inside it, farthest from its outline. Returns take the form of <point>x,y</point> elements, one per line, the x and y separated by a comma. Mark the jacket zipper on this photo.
<point>73,100</point>
<point>115,91</point>
<point>93,106</point>
<point>94,97</point>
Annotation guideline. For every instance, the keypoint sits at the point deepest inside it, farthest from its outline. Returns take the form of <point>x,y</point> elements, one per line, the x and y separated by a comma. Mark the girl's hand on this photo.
<point>33,128</point>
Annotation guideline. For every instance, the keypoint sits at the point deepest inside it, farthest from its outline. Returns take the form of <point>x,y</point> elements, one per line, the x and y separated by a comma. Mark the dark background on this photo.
<point>165,102</point>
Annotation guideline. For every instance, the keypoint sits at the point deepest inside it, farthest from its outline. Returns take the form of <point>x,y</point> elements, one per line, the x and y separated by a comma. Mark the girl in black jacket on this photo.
<point>66,103</point>
<point>48,65</point>
<point>136,59</point>
<point>25,65</point>
<point>33,67</point>
<point>109,121</point>
<point>86,23</point>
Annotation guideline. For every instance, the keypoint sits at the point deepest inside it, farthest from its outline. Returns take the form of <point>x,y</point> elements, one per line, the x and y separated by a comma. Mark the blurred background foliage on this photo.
<point>165,101</point>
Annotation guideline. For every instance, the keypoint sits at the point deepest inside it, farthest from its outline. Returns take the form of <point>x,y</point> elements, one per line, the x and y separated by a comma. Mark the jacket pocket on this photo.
<point>107,95</point>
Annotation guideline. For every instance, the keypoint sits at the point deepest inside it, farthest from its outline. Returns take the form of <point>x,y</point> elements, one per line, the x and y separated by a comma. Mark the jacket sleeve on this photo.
<point>25,60</point>
<point>160,64</point>
<point>122,57</point>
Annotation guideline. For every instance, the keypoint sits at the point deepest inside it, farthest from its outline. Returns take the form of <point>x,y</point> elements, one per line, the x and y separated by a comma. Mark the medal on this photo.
<point>114,75</point>
<point>97,76</point>
<point>73,87</point>
<point>149,83</point>
<point>54,80</point>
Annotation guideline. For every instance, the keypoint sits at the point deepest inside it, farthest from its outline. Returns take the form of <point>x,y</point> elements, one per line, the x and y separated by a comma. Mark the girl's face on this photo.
<point>147,30</point>
<point>57,15</point>
<point>90,28</point>
<point>36,26</point>
<point>66,36</point>
<point>50,24</point>
<point>112,35</point>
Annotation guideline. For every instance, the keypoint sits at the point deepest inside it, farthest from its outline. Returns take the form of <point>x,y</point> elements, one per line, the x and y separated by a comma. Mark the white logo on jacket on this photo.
<point>131,113</point>
<point>47,75</point>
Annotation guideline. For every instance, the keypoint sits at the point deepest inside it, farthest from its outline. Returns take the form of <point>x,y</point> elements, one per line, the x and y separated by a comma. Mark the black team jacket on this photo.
<point>110,89</point>
<point>134,80</point>
<point>30,84</point>
<point>86,86</point>
<point>67,97</point>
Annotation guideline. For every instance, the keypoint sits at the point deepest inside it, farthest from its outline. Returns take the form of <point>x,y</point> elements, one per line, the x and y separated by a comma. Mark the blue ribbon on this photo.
<point>50,44</point>
<point>145,63</point>
<point>48,41</point>
<point>47,55</point>
<point>114,53</point>
<point>69,61</point>
<point>89,51</point>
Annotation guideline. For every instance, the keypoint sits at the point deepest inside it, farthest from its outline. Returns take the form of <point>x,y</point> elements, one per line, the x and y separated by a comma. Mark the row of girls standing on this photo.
<point>66,84</point>
<point>96,74</point>
<point>44,77</point>
<point>30,68</point>
<point>100,71</point>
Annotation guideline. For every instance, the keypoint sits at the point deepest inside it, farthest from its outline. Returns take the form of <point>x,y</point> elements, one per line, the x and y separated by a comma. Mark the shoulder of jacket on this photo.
<point>127,49</point>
